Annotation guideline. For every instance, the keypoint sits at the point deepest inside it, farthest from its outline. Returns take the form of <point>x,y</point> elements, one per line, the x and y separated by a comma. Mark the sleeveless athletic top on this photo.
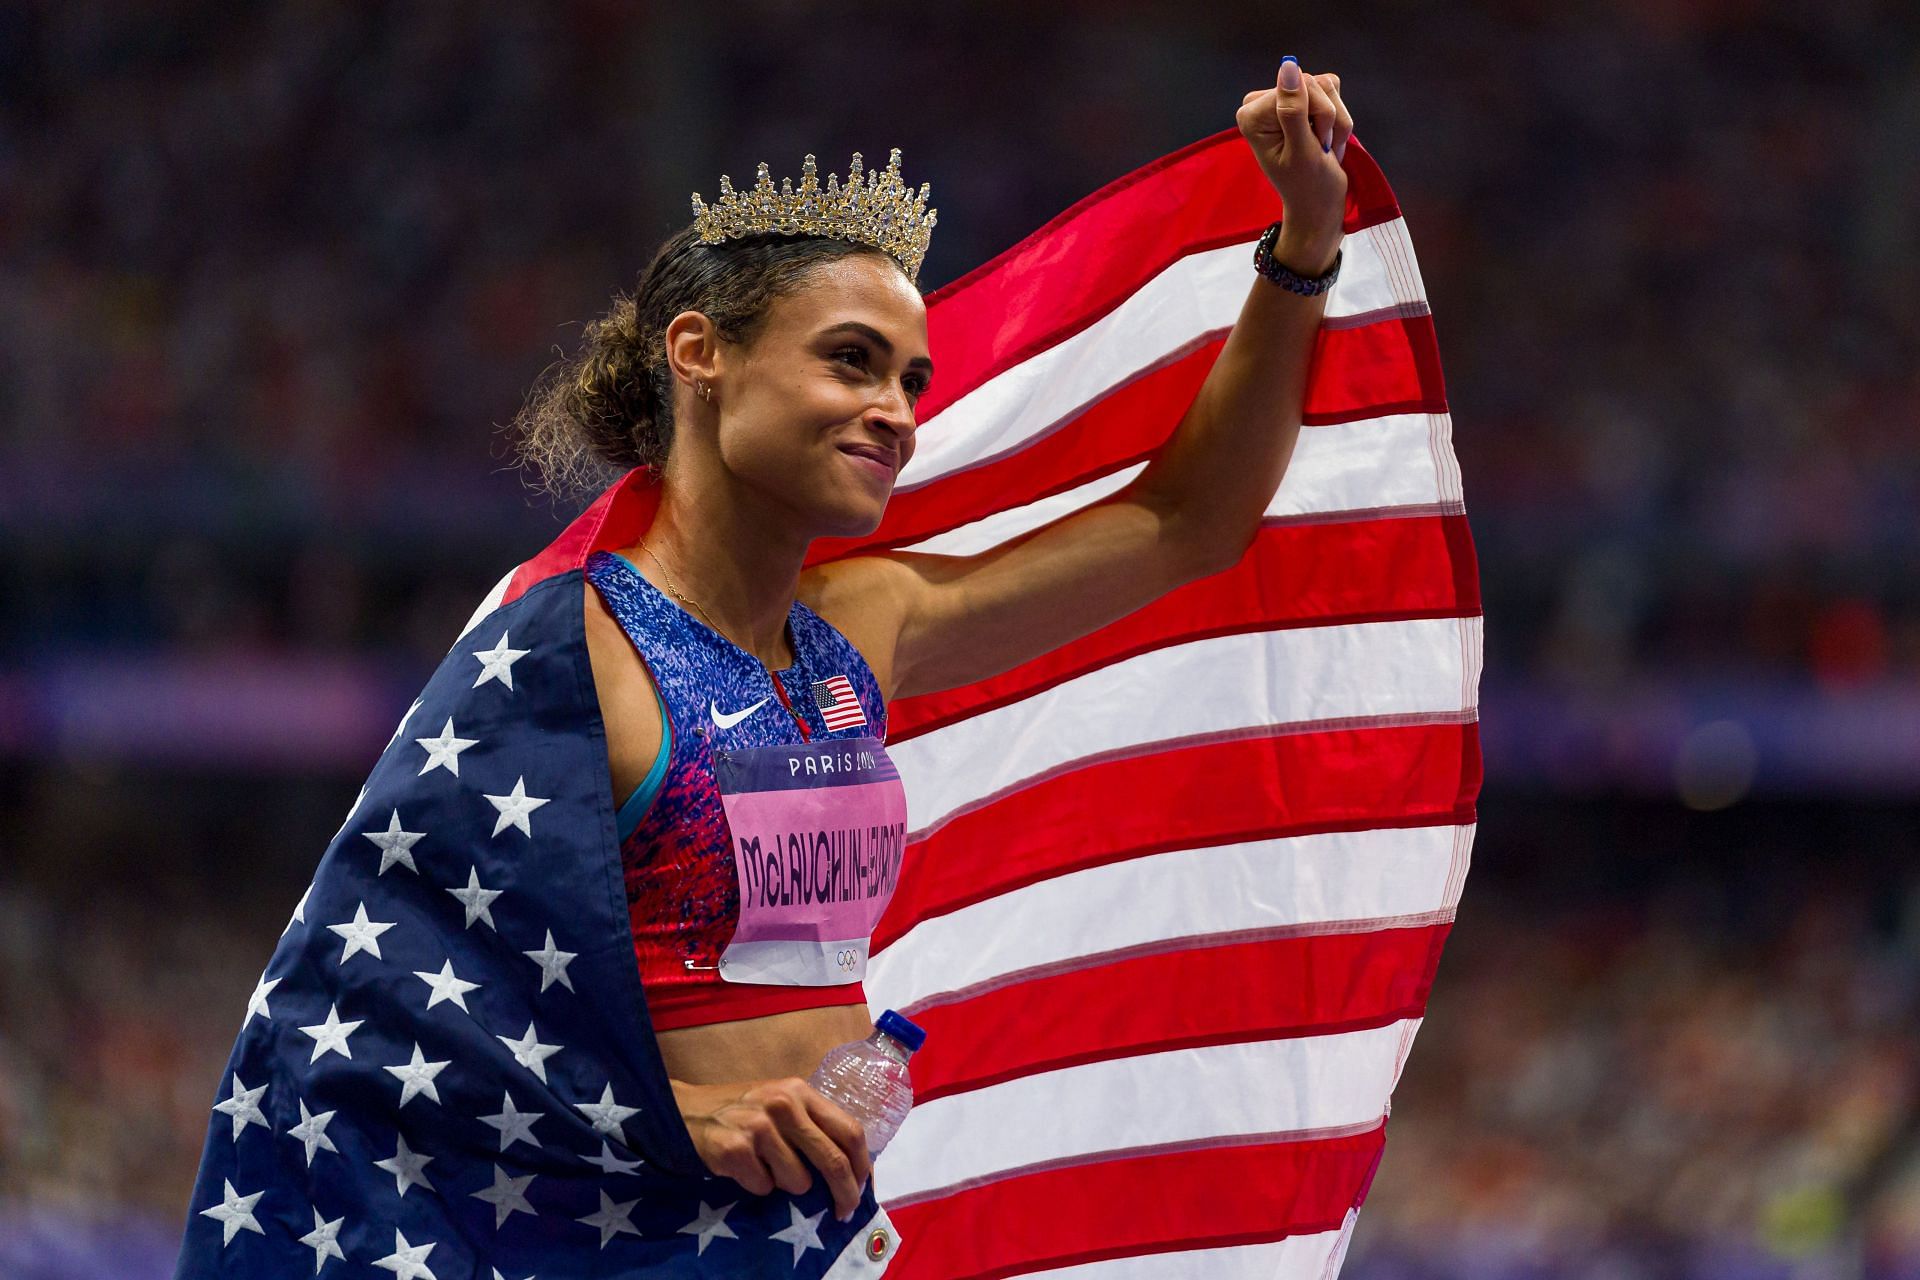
<point>766,840</point>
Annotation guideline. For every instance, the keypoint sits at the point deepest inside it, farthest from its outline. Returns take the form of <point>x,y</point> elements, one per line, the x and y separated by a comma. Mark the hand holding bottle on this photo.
<point>757,1132</point>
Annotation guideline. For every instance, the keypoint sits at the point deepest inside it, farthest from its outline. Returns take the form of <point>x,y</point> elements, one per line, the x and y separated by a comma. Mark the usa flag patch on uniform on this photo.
<point>838,707</point>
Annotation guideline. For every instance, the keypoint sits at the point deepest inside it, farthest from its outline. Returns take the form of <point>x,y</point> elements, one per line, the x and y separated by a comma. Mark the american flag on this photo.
<point>1174,894</point>
<point>838,705</point>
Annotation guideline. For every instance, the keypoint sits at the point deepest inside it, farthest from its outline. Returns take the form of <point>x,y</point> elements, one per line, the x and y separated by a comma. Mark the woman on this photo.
<point>772,380</point>
<point>470,1052</point>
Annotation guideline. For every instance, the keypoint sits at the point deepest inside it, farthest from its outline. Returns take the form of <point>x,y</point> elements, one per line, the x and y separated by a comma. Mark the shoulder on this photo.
<point>625,690</point>
<point>605,637</point>
<point>865,599</point>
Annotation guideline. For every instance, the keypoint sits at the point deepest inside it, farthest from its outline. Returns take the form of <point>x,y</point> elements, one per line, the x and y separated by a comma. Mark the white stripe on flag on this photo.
<point>1357,877</point>
<point>1374,465</point>
<point>1290,1086</point>
<point>1224,683</point>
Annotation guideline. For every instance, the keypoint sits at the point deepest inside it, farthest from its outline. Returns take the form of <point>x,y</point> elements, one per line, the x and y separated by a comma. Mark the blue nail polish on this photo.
<point>1326,146</point>
<point>1292,59</point>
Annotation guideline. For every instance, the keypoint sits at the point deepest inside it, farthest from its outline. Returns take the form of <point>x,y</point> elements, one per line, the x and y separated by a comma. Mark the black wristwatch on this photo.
<point>1309,285</point>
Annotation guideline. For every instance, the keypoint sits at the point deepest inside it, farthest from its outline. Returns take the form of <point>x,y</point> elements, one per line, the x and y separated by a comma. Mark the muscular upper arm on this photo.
<point>625,690</point>
<point>929,622</point>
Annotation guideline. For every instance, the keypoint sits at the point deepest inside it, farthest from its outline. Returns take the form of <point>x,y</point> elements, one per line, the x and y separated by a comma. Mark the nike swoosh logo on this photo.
<point>728,719</point>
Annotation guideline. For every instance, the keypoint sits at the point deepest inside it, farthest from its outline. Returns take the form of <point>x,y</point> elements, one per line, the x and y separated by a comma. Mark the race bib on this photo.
<point>818,829</point>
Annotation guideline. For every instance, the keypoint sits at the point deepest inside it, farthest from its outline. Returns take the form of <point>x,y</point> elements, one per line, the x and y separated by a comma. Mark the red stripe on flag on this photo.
<point>1293,575</point>
<point>1193,1198</point>
<point>1371,370</point>
<point>1269,988</point>
<point>1258,785</point>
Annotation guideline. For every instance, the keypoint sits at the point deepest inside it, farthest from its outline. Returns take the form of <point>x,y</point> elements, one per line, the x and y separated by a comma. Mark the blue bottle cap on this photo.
<point>896,1025</point>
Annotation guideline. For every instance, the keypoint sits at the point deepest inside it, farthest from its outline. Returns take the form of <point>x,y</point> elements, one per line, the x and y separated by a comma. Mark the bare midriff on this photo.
<point>765,1048</point>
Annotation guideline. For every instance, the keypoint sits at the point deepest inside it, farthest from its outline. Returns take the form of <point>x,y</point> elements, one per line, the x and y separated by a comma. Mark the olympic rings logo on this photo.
<point>847,958</point>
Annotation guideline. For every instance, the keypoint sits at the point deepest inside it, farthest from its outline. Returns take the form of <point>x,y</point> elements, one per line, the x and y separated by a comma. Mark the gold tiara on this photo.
<point>881,211</point>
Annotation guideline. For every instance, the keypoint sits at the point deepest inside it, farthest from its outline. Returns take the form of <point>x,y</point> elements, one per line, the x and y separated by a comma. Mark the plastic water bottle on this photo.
<point>870,1079</point>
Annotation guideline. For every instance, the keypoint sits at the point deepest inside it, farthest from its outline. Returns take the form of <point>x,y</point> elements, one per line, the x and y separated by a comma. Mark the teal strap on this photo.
<point>643,795</point>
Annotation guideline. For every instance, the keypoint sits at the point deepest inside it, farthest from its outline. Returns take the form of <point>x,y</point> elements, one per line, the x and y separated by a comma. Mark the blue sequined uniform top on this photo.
<point>683,895</point>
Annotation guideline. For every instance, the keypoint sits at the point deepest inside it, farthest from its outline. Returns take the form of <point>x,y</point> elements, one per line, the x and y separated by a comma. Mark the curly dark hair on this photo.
<point>591,418</point>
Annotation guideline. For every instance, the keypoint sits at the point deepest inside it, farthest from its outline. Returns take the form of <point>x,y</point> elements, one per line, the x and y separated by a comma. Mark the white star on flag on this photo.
<point>244,1107</point>
<point>505,1195</point>
<point>395,845</point>
<point>331,1036</point>
<point>300,909</point>
<point>235,1212</point>
<point>395,736</point>
<point>530,1053</point>
<point>446,986</point>
<point>803,1234</point>
<point>497,663</point>
<point>406,1166</point>
<point>311,1132</point>
<point>612,1219</point>
<point>361,934</point>
<point>477,901</point>
<point>354,808</point>
<point>708,1225</point>
<point>257,1003</point>
<point>416,1077</point>
<point>514,1124</point>
<point>408,1261</point>
<point>324,1239</point>
<point>609,1163</point>
<point>514,808</point>
<point>553,964</point>
<point>606,1114</point>
<point>444,751</point>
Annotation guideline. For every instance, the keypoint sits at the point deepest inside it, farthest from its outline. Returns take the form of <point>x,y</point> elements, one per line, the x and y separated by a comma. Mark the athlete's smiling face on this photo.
<point>817,413</point>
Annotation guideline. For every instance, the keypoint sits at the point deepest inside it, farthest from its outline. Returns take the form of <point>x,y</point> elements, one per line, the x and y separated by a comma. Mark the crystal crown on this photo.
<point>881,211</point>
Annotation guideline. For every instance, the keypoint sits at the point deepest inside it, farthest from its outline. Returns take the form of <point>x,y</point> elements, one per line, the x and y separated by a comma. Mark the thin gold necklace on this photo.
<point>677,594</point>
<point>676,590</point>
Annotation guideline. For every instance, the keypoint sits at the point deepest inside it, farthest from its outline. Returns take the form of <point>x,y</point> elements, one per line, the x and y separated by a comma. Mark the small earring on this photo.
<point>706,393</point>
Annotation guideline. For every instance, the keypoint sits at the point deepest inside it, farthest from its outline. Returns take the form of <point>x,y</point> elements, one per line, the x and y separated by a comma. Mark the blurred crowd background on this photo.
<point>272,279</point>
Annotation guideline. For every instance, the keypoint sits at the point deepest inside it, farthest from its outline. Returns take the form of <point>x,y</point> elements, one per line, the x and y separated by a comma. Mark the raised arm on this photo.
<point>929,622</point>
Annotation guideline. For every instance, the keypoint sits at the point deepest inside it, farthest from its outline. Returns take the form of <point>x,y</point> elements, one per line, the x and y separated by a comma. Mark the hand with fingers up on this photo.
<point>1298,130</point>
